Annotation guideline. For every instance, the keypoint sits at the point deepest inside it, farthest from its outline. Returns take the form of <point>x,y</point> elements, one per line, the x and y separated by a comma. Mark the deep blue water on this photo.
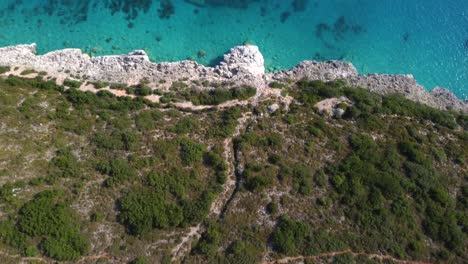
<point>427,38</point>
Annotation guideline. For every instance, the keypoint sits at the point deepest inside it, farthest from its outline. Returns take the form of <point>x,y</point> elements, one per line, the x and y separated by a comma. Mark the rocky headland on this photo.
<point>242,65</point>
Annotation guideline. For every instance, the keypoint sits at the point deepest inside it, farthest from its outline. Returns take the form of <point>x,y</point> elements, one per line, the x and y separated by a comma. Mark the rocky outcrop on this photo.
<point>242,59</point>
<point>242,65</point>
<point>324,71</point>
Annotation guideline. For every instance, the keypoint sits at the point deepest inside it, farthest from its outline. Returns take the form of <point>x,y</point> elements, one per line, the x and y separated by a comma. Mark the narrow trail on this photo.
<point>221,202</point>
<point>184,247</point>
<point>47,260</point>
<point>24,259</point>
<point>344,252</point>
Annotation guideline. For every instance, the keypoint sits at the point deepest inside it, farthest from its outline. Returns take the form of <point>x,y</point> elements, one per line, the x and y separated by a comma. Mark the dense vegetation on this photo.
<point>86,173</point>
<point>209,95</point>
<point>48,219</point>
<point>99,152</point>
<point>388,176</point>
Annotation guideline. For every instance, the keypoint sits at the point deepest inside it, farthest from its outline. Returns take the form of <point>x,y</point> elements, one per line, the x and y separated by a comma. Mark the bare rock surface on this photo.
<point>242,65</point>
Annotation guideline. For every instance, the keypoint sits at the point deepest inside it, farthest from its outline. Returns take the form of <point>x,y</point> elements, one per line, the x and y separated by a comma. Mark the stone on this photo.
<point>242,59</point>
<point>273,108</point>
<point>338,112</point>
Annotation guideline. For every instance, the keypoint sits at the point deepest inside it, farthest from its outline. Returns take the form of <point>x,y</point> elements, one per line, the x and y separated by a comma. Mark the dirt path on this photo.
<point>339,253</point>
<point>184,247</point>
<point>47,260</point>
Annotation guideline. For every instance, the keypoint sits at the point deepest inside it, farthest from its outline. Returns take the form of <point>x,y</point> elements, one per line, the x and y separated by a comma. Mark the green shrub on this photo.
<point>302,179</point>
<point>276,85</point>
<point>225,127</point>
<point>49,216</point>
<point>65,164</point>
<point>72,83</point>
<point>311,92</point>
<point>219,95</point>
<point>119,171</point>
<point>173,181</point>
<point>4,69</point>
<point>99,85</point>
<point>143,210</point>
<point>140,90</point>
<point>27,72</point>
<point>190,151</point>
<point>185,125</point>
<point>11,236</point>
<point>289,236</point>
<point>272,208</point>
<point>140,260</point>
<point>196,210</point>
<point>118,140</point>
<point>147,120</point>
<point>209,241</point>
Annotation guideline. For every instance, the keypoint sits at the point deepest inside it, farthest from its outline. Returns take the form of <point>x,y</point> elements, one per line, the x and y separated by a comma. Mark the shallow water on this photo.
<point>427,38</point>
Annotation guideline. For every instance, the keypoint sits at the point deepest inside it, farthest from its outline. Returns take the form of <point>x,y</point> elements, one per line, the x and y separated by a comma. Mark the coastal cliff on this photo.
<point>138,162</point>
<point>242,65</point>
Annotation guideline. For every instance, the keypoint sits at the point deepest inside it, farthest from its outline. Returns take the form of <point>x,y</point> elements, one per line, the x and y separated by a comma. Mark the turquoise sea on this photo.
<point>427,38</point>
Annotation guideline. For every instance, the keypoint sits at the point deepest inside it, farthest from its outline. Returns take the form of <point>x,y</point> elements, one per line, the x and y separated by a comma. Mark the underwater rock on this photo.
<point>201,54</point>
<point>299,5</point>
<point>405,37</point>
<point>130,7</point>
<point>320,29</point>
<point>284,16</point>
<point>340,28</point>
<point>197,2</point>
<point>226,3</point>
<point>166,9</point>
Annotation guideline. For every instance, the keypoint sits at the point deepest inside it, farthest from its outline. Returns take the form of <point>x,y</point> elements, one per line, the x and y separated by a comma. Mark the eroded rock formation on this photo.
<point>242,65</point>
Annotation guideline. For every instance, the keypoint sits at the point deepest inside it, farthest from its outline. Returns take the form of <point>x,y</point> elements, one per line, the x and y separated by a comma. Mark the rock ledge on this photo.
<point>242,65</point>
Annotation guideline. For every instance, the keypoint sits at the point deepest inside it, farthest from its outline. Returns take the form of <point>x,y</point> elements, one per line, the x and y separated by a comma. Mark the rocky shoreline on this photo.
<point>242,65</point>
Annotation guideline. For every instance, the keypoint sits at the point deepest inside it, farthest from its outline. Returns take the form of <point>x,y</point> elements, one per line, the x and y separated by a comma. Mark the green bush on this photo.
<point>99,85</point>
<point>143,210</point>
<point>147,120</point>
<point>49,216</point>
<point>174,181</point>
<point>72,83</point>
<point>65,164</point>
<point>209,241</point>
<point>27,72</point>
<point>11,236</point>
<point>139,260</point>
<point>302,179</point>
<point>219,95</point>
<point>4,69</point>
<point>140,90</point>
<point>311,92</point>
<point>243,252</point>
<point>119,171</point>
<point>185,125</point>
<point>225,127</point>
<point>289,236</point>
<point>190,151</point>
<point>118,140</point>
<point>196,210</point>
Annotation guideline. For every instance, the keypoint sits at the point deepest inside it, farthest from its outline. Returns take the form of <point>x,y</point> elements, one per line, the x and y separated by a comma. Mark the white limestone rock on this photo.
<point>246,59</point>
<point>273,108</point>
